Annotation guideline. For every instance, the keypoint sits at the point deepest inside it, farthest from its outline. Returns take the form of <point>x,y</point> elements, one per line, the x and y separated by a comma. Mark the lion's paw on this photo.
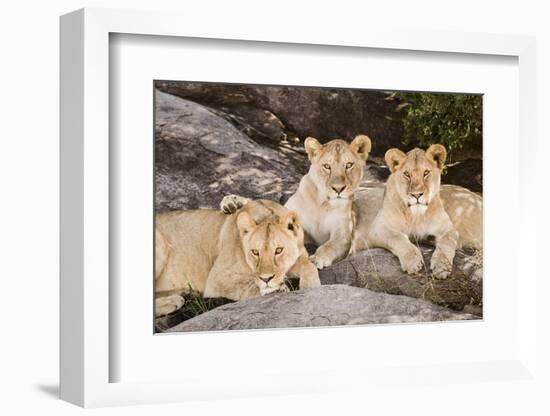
<point>307,283</point>
<point>232,203</point>
<point>412,262</point>
<point>266,290</point>
<point>283,288</point>
<point>440,265</point>
<point>169,304</point>
<point>320,261</point>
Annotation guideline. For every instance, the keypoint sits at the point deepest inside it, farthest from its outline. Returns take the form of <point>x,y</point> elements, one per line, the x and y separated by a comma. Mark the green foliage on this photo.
<point>454,120</point>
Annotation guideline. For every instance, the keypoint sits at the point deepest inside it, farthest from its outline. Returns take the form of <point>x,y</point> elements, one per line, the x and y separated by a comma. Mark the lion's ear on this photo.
<point>245,223</point>
<point>394,158</point>
<point>313,148</point>
<point>437,154</point>
<point>292,222</point>
<point>361,145</point>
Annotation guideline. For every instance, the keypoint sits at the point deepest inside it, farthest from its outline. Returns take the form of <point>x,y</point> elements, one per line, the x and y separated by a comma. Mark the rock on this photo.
<point>379,270</point>
<point>275,113</point>
<point>200,157</point>
<point>323,306</point>
<point>468,173</point>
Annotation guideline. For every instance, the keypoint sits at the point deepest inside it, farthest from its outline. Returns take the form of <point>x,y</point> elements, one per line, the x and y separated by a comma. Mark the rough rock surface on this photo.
<point>200,157</point>
<point>282,113</point>
<point>379,270</point>
<point>323,306</point>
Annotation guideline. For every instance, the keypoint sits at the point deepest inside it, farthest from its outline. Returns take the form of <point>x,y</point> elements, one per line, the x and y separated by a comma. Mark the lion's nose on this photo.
<point>417,195</point>
<point>339,189</point>
<point>266,279</point>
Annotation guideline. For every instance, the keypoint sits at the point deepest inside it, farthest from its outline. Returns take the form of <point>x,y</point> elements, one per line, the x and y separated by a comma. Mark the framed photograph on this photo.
<point>257,218</point>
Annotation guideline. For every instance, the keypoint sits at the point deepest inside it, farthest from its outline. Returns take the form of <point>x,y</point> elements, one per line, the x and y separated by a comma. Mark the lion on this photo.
<point>415,205</point>
<point>238,256</point>
<point>324,196</point>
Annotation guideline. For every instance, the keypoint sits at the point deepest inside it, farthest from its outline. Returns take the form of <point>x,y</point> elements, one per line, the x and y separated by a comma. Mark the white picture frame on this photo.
<point>86,356</point>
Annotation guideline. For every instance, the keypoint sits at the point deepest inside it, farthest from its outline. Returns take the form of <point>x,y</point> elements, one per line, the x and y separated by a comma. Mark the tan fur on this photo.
<point>227,256</point>
<point>413,206</point>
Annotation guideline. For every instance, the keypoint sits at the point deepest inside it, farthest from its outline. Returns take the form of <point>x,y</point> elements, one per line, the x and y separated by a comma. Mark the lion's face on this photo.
<point>270,248</point>
<point>337,167</point>
<point>416,176</point>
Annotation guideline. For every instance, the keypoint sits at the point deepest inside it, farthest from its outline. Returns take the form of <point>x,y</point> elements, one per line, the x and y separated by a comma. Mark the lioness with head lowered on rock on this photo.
<point>324,196</point>
<point>243,255</point>
<point>414,205</point>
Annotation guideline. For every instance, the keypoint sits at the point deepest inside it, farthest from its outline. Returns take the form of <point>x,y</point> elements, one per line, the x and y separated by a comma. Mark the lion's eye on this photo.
<point>407,175</point>
<point>255,252</point>
<point>426,173</point>
<point>326,166</point>
<point>349,165</point>
<point>279,250</point>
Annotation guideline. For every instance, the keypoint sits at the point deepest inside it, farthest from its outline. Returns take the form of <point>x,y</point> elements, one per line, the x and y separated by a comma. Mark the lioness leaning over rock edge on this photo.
<point>236,256</point>
<point>324,197</point>
<point>415,205</point>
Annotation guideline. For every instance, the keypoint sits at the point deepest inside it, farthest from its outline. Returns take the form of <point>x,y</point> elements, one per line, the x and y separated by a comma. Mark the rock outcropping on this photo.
<point>279,113</point>
<point>200,157</point>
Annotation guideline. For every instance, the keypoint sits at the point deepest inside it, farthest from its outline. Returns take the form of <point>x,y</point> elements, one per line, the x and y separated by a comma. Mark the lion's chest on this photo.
<point>320,226</point>
<point>421,227</point>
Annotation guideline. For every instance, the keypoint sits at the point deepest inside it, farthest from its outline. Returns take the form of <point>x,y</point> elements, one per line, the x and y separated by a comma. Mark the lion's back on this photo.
<point>190,246</point>
<point>465,208</point>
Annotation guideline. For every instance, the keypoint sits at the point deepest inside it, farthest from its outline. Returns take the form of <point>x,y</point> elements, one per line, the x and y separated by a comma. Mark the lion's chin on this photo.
<point>266,290</point>
<point>418,209</point>
<point>337,201</point>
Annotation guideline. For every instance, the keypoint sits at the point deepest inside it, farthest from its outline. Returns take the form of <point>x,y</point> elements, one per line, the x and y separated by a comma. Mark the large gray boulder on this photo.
<point>275,113</point>
<point>200,157</point>
<point>323,306</point>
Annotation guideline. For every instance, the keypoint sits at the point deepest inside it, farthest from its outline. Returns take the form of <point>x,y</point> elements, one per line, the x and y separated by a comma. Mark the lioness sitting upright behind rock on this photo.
<point>414,205</point>
<point>324,197</point>
<point>236,256</point>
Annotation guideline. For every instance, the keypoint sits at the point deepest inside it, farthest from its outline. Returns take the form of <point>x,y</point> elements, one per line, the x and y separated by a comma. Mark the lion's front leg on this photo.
<point>443,256</point>
<point>336,248</point>
<point>306,271</point>
<point>358,243</point>
<point>230,284</point>
<point>409,255</point>
<point>246,288</point>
